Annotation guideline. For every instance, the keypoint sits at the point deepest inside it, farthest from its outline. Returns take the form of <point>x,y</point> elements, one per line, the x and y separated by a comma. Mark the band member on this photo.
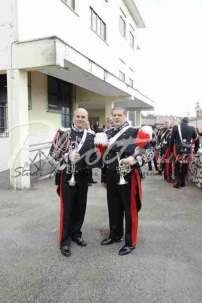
<point>164,141</point>
<point>152,148</point>
<point>124,194</point>
<point>73,178</point>
<point>182,138</point>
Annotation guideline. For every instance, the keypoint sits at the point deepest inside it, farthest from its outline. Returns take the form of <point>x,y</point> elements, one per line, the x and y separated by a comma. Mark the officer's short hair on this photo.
<point>185,120</point>
<point>119,108</point>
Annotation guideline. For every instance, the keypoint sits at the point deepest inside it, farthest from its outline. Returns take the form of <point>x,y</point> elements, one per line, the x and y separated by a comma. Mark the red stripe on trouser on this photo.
<point>61,222</point>
<point>134,214</point>
<point>174,152</point>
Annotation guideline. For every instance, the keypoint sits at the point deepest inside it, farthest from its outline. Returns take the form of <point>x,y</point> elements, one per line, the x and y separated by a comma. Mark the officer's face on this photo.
<point>118,117</point>
<point>80,118</point>
<point>167,124</point>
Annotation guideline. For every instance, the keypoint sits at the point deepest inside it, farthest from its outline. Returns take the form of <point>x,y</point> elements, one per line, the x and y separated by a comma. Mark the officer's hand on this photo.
<point>140,160</point>
<point>65,157</point>
<point>74,156</point>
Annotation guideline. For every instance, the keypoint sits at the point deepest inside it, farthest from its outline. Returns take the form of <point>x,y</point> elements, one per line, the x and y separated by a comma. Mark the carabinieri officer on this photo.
<point>123,198</point>
<point>76,148</point>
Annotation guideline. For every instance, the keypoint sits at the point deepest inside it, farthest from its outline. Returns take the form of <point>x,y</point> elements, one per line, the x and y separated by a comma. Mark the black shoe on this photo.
<point>109,241</point>
<point>66,251</point>
<point>176,185</point>
<point>125,250</point>
<point>80,241</point>
<point>92,182</point>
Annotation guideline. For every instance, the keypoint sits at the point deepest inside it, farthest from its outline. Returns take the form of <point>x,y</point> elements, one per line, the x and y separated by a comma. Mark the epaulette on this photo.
<point>90,131</point>
<point>64,129</point>
<point>109,130</point>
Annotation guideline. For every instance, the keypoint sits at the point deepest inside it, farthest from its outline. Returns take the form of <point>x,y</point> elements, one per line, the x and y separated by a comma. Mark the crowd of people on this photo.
<point>172,149</point>
<point>119,150</point>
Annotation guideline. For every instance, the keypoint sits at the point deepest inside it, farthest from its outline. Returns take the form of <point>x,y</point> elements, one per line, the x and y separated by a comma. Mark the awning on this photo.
<point>54,57</point>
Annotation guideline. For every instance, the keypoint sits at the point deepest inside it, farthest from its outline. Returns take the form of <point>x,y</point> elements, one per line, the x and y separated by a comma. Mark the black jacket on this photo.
<point>67,138</point>
<point>188,134</point>
<point>124,146</point>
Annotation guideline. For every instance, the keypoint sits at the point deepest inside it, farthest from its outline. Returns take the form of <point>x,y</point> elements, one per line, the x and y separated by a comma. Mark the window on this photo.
<point>122,26</point>
<point>98,25</point>
<point>131,82</point>
<point>3,106</point>
<point>131,39</point>
<point>70,3</point>
<point>122,76</point>
<point>59,94</point>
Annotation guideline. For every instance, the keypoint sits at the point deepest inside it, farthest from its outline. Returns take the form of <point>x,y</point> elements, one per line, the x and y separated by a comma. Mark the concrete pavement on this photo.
<point>165,267</point>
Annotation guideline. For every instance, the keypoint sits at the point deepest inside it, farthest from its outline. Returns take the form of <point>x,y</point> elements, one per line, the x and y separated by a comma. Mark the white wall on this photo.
<point>198,124</point>
<point>43,124</point>
<point>4,153</point>
<point>38,19</point>
<point>7,31</point>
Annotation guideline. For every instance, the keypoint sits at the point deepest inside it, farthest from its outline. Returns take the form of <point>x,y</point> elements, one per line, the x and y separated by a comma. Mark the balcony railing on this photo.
<point>41,165</point>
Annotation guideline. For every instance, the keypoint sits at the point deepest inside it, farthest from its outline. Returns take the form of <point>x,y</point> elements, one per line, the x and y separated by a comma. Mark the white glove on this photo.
<point>74,156</point>
<point>101,139</point>
<point>139,160</point>
<point>128,161</point>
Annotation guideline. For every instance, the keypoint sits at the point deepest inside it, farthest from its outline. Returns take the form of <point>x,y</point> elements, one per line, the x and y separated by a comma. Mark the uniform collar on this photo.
<point>78,130</point>
<point>122,126</point>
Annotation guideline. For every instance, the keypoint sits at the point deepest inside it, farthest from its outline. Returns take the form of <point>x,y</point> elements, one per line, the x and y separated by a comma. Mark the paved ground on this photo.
<point>164,268</point>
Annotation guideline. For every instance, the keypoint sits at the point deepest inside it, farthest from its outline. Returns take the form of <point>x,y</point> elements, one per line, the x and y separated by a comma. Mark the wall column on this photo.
<point>18,121</point>
<point>108,109</point>
<point>138,117</point>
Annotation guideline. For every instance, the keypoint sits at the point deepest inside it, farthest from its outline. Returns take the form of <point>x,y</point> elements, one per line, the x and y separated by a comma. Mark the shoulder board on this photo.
<point>109,130</point>
<point>64,129</point>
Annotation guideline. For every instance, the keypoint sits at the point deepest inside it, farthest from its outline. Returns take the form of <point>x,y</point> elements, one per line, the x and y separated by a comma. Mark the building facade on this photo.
<point>56,56</point>
<point>159,120</point>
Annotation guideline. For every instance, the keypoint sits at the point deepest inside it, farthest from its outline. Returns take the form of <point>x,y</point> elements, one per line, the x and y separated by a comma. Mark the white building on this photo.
<point>61,54</point>
<point>196,122</point>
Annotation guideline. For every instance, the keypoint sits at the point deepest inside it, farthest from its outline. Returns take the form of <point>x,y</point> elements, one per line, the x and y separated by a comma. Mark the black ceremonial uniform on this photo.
<point>152,147</point>
<point>73,199</point>
<point>122,199</point>
<point>189,136</point>
<point>165,154</point>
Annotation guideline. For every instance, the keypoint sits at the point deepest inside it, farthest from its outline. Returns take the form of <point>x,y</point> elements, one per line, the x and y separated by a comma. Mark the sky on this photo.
<point>169,68</point>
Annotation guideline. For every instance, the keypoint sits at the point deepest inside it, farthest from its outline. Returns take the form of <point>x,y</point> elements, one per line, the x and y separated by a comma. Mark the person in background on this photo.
<point>182,138</point>
<point>152,146</point>
<point>164,142</point>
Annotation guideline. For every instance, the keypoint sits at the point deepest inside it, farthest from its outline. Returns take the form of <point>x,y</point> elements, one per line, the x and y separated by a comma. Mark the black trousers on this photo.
<point>155,164</point>
<point>119,206</point>
<point>181,170</point>
<point>73,200</point>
